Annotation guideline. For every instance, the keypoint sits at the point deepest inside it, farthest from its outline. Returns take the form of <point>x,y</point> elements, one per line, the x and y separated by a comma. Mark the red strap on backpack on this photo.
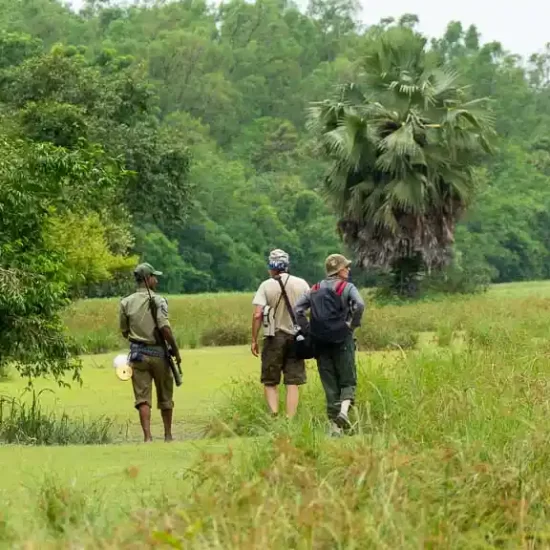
<point>340,287</point>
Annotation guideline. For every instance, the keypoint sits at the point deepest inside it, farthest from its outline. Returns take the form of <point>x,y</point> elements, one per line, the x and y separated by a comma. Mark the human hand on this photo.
<point>255,349</point>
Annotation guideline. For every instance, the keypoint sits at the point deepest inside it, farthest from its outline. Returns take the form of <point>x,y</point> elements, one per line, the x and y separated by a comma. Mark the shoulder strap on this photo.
<point>346,293</point>
<point>339,287</point>
<point>315,287</point>
<point>153,310</point>
<point>281,295</point>
<point>287,301</point>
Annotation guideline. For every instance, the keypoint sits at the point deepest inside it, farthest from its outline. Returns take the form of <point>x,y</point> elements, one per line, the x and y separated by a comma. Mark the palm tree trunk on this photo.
<point>406,274</point>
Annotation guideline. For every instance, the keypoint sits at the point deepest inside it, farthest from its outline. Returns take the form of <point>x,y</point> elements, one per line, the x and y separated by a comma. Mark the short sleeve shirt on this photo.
<point>136,319</point>
<point>269,293</point>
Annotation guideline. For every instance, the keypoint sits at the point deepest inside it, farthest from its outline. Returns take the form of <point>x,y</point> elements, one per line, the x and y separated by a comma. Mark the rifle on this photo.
<point>176,369</point>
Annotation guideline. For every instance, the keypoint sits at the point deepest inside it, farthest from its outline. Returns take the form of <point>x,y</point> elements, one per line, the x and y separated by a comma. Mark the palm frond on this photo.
<point>402,146</point>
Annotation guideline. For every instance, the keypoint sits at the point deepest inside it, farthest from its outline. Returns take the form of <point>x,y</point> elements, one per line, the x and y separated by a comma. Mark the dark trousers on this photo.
<point>336,364</point>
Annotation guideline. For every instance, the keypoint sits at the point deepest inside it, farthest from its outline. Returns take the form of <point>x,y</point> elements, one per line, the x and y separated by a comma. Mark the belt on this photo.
<point>137,349</point>
<point>142,343</point>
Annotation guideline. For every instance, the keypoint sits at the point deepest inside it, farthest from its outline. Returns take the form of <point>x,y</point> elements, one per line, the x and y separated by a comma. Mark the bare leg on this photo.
<point>272,398</point>
<point>145,421</point>
<point>167,421</point>
<point>292,395</point>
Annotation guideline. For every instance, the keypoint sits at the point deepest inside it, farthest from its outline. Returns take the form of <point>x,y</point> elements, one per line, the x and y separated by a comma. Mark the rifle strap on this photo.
<point>158,334</point>
<point>153,309</point>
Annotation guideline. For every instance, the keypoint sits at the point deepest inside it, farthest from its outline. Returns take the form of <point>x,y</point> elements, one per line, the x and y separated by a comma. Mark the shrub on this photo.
<point>225,335</point>
<point>4,371</point>
<point>444,335</point>
<point>373,337</point>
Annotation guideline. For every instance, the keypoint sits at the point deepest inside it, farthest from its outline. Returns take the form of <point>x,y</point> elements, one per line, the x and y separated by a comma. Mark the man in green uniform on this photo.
<point>146,355</point>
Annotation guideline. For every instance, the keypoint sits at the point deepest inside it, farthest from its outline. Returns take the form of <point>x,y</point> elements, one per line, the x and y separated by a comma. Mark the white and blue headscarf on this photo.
<point>278,260</point>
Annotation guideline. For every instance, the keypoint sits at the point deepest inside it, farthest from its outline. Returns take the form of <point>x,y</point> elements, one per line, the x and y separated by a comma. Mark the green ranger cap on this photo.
<point>146,270</point>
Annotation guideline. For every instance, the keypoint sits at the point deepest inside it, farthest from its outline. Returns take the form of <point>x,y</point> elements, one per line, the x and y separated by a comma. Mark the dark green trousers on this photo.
<point>336,364</point>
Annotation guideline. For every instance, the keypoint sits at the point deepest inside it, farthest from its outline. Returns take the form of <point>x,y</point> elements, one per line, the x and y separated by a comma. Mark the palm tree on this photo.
<point>403,142</point>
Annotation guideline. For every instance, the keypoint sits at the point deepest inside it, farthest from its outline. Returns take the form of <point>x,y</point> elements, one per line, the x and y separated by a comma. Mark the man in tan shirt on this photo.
<point>278,355</point>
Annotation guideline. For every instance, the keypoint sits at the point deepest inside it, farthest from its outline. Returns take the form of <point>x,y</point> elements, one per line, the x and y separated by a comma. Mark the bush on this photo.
<point>444,335</point>
<point>372,337</point>
<point>4,371</point>
<point>225,335</point>
<point>25,423</point>
<point>458,280</point>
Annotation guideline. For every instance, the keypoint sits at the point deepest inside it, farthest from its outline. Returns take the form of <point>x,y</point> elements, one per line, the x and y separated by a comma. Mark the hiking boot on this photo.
<point>343,422</point>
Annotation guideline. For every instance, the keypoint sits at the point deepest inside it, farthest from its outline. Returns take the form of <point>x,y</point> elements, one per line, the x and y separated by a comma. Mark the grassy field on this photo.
<point>206,373</point>
<point>451,444</point>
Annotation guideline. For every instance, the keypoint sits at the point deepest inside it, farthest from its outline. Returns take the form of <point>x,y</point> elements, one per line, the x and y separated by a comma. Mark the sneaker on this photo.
<point>334,430</point>
<point>342,421</point>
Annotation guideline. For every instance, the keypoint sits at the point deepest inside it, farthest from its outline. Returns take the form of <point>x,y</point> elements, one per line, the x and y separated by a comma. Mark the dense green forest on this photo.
<point>177,132</point>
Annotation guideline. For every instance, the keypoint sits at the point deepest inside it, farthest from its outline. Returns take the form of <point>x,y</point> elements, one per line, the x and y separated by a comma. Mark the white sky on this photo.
<point>522,27</point>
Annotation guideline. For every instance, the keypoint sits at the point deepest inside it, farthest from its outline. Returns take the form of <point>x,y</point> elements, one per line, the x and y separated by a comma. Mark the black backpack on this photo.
<point>328,313</point>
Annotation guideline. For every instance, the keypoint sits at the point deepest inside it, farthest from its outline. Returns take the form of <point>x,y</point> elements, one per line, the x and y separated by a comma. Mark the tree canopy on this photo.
<point>176,131</point>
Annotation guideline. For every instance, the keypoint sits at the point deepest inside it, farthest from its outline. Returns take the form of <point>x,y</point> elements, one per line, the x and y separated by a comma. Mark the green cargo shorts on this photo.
<point>153,369</point>
<point>278,357</point>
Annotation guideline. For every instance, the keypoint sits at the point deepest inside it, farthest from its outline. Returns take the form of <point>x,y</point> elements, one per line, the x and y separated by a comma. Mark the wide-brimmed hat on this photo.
<point>335,262</point>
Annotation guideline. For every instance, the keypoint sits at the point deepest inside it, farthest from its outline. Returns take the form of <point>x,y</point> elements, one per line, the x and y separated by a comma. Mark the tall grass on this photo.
<point>209,319</point>
<point>26,423</point>
<point>63,508</point>
<point>452,450</point>
<point>224,319</point>
<point>485,389</point>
